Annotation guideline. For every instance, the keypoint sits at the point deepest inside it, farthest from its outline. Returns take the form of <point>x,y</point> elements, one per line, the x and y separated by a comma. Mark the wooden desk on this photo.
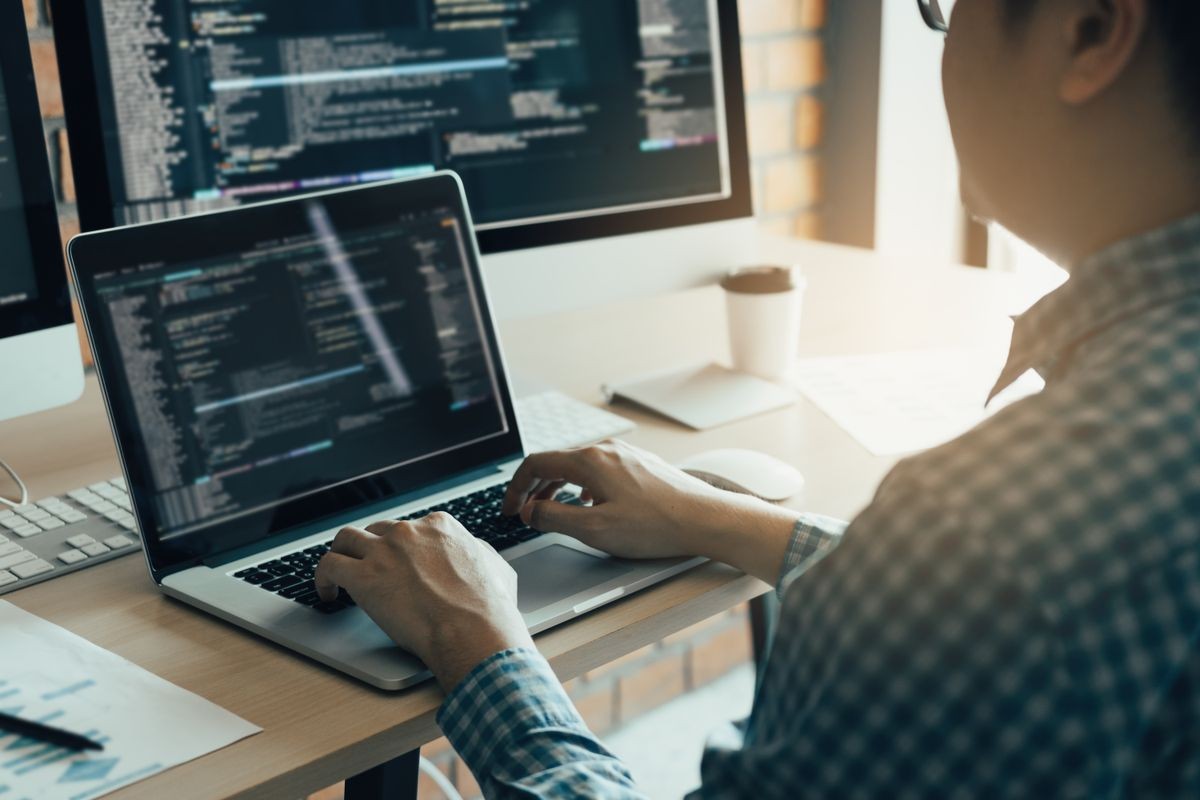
<point>320,727</point>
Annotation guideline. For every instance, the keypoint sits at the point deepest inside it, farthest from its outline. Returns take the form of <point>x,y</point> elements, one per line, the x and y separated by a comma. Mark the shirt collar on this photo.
<point>1118,282</point>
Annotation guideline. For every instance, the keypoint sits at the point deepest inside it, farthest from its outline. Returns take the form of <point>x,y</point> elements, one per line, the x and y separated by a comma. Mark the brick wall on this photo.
<point>784,63</point>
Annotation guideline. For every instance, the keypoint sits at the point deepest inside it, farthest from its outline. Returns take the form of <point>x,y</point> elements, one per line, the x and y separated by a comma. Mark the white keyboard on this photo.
<point>59,535</point>
<point>554,421</point>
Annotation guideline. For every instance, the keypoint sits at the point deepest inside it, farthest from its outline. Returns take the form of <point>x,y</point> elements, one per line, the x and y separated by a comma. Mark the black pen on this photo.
<point>44,733</point>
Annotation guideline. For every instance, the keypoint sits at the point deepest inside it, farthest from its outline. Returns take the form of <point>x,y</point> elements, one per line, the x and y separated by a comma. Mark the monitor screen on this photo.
<point>548,109</point>
<point>18,280</point>
<point>313,343</point>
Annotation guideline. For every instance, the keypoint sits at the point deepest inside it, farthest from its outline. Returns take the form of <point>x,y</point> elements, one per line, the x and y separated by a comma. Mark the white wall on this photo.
<point>917,206</point>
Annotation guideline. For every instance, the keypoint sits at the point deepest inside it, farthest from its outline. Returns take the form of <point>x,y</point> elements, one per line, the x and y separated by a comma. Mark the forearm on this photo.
<point>742,531</point>
<point>759,538</point>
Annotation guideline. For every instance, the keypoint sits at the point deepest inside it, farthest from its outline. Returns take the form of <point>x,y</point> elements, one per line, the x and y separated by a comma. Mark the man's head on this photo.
<point>1077,122</point>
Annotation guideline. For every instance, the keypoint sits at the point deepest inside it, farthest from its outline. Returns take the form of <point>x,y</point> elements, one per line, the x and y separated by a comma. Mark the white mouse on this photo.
<point>747,472</point>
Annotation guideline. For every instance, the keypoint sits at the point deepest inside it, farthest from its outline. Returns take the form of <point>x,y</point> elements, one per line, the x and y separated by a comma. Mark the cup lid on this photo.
<point>763,280</point>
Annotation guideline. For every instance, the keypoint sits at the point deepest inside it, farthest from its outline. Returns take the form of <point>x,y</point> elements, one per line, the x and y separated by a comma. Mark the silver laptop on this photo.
<point>278,371</point>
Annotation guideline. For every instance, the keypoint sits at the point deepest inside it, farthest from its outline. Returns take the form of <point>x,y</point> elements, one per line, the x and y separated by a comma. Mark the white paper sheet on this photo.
<point>146,724</point>
<point>900,403</point>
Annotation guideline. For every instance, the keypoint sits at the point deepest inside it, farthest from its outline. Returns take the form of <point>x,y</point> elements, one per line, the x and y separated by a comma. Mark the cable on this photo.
<point>20,485</point>
<point>440,779</point>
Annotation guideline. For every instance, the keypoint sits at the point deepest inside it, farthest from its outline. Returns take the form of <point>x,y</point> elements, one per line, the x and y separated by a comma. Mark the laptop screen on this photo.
<point>307,345</point>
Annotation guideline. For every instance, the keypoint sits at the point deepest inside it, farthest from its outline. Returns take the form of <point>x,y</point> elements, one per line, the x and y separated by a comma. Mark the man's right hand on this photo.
<point>639,506</point>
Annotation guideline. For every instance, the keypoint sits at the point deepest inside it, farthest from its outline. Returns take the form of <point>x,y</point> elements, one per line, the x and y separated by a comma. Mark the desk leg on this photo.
<point>764,609</point>
<point>392,780</point>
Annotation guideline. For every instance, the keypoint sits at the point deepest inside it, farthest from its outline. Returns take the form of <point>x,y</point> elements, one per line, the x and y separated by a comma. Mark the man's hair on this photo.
<point>1178,23</point>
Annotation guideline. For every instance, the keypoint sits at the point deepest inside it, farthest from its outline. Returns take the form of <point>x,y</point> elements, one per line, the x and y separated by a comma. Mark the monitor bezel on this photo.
<point>51,307</point>
<point>93,185</point>
<point>91,253</point>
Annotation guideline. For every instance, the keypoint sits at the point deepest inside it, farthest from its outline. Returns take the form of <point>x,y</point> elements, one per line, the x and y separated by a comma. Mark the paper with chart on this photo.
<point>145,723</point>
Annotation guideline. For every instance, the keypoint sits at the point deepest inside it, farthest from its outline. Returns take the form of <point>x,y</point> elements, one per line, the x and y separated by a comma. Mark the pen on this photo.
<point>36,730</point>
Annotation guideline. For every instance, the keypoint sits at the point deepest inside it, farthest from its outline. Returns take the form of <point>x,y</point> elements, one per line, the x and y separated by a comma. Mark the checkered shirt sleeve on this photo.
<point>515,727</point>
<point>813,538</point>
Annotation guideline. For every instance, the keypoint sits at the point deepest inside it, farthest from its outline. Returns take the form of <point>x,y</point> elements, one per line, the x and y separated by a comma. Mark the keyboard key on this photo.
<point>35,515</point>
<point>8,548</point>
<point>120,484</point>
<point>27,530</point>
<point>79,494</point>
<point>118,541</point>
<point>80,539</point>
<point>281,582</point>
<point>72,556</point>
<point>51,523</point>
<point>241,573</point>
<point>9,561</point>
<point>308,599</point>
<point>7,577</point>
<point>297,589</point>
<point>103,507</point>
<point>13,522</point>
<point>31,568</point>
<point>116,515</point>
<point>257,577</point>
<point>24,509</point>
<point>96,487</point>
<point>72,516</point>
<point>49,502</point>
<point>128,524</point>
<point>96,549</point>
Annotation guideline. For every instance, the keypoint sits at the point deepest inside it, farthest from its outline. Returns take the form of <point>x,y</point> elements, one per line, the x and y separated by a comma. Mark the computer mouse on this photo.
<point>747,472</point>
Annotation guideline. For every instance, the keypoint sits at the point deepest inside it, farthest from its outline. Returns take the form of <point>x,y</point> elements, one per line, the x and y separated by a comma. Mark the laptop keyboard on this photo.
<point>291,576</point>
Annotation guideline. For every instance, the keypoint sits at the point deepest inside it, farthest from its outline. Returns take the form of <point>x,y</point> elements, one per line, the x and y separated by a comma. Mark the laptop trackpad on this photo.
<point>556,572</point>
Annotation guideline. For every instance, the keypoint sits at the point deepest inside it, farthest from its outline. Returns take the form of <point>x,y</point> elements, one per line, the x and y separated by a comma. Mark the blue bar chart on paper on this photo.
<point>66,682</point>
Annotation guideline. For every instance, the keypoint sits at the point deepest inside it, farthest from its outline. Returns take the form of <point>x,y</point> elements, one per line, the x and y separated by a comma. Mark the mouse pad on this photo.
<point>556,572</point>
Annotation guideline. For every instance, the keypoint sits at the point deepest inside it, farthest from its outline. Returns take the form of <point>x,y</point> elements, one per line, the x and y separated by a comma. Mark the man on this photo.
<point>1017,612</point>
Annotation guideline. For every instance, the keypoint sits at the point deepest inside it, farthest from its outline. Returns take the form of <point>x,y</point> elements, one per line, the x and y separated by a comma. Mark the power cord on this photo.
<point>5,501</point>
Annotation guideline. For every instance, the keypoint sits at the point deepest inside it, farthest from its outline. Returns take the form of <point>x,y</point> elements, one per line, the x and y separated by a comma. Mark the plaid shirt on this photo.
<point>1015,615</point>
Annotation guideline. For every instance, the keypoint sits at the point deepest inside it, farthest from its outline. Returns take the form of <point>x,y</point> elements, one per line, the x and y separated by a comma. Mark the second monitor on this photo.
<point>550,110</point>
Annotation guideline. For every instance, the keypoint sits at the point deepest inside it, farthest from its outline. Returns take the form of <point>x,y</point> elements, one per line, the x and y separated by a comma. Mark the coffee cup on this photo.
<point>763,304</point>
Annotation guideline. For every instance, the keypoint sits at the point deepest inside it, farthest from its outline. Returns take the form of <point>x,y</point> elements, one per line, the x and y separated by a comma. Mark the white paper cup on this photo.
<point>764,305</point>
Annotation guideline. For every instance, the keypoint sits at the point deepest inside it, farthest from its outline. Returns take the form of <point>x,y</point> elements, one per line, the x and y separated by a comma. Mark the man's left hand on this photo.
<point>436,590</point>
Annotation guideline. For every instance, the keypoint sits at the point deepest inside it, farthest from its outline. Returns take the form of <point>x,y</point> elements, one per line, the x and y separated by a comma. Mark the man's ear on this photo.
<point>1103,37</point>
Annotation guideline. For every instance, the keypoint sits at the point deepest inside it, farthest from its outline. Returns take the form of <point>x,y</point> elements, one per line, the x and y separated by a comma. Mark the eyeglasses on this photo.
<point>936,13</point>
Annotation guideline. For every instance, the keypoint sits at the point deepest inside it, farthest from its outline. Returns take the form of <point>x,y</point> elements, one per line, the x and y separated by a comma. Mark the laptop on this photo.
<point>275,372</point>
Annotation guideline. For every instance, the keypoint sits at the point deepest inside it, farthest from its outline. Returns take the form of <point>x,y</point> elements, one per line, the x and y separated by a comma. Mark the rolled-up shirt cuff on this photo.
<point>813,538</point>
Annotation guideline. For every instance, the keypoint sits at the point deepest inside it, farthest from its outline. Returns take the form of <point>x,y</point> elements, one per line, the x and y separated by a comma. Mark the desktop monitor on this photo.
<point>40,364</point>
<point>569,121</point>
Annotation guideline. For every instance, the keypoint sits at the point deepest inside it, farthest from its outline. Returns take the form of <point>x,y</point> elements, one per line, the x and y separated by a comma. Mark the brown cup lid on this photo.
<point>762,280</point>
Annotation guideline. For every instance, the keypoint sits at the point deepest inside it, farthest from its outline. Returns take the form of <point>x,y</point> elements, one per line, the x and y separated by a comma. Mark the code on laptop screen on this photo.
<point>301,361</point>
